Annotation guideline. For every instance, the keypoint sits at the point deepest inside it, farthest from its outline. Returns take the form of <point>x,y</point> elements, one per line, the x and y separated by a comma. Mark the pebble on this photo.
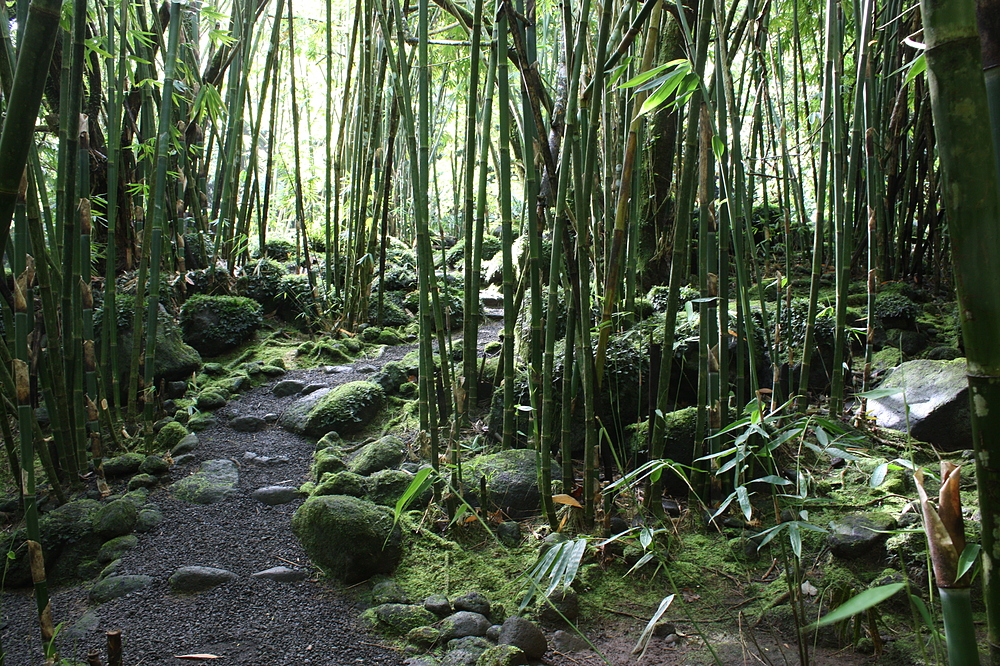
<point>275,495</point>
<point>247,424</point>
<point>281,574</point>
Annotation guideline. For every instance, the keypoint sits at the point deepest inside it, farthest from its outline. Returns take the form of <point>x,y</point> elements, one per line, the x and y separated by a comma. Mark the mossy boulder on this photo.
<point>400,619</point>
<point>346,409</point>
<point>387,486</point>
<point>113,587</point>
<point>68,540</point>
<point>261,281</point>
<point>351,539</point>
<point>341,483</point>
<point>679,434</point>
<point>326,461</point>
<point>384,453</point>
<point>115,548</point>
<point>154,466</point>
<point>211,400</point>
<point>169,436</point>
<point>123,465</point>
<point>173,358</point>
<point>936,405</point>
<point>511,481</point>
<point>115,518</point>
<point>392,375</point>
<point>216,324</point>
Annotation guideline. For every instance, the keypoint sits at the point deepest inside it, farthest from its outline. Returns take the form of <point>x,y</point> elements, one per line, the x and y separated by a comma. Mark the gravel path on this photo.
<point>248,621</point>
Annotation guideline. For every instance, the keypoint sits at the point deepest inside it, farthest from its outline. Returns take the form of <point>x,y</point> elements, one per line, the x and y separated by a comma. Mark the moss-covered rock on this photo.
<point>169,436</point>
<point>123,465</point>
<point>349,538</point>
<point>142,481</point>
<point>116,518</point>
<point>261,281</point>
<point>173,359</point>
<point>400,619</point>
<point>154,465</point>
<point>381,454</point>
<point>389,337</point>
<point>113,587</point>
<point>211,400</point>
<point>387,486</point>
<point>201,421</point>
<point>115,548</point>
<point>327,461</point>
<point>511,481</point>
<point>213,482</point>
<point>346,409</point>
<point>216,324</point>
<point>340,483</point>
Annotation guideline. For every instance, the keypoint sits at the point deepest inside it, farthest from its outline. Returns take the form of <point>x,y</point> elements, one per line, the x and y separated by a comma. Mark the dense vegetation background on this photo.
<point>710,204</point>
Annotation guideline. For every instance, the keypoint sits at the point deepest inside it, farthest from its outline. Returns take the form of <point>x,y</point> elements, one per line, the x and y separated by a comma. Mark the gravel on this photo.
<point>248,621</point>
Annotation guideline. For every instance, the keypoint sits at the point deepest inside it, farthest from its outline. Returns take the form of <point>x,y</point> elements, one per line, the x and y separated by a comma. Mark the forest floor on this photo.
<point>259,622</point>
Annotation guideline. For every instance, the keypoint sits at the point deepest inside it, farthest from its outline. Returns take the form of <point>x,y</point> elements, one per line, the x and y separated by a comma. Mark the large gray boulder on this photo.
<point>350,538</point>
<point>213,482</point>
<point>173,358</point>
<point>345,409</point>
<point>511,481</point>
<point>68,539</point>
<point>859,534</point>
<point>936,393</point>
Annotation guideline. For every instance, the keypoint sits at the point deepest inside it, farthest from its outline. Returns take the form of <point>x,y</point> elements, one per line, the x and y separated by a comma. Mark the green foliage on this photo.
<point>279,249</point>
<point>262,281</point>
<point>893,309</point>
<point>393,313</point>
<point>658,296</point>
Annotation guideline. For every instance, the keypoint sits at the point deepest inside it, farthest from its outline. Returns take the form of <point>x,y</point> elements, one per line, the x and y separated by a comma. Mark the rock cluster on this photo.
<point>465,631</point>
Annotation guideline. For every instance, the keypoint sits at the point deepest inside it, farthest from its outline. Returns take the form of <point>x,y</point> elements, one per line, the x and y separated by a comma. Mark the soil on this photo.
<point>259,622</point>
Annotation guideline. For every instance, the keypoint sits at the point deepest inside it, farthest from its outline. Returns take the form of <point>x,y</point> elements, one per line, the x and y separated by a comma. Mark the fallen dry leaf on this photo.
<point>568,500</point>
<point>197,656</point>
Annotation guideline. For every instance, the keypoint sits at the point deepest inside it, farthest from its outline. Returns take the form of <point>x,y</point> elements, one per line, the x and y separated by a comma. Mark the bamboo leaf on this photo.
<point>858,604</point>
<point>968,559</point>
<point>647,75</point>
<point>647,632</point>
<point>718,147</point>
<point>645,537</point>
<point>744,498</point>
<point>875,394</point>
<point>878,476</point>
<point>917,67</point>
<point>795,538</point>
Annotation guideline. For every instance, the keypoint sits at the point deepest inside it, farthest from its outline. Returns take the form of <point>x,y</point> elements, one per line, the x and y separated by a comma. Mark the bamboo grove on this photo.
<point>749,151</point>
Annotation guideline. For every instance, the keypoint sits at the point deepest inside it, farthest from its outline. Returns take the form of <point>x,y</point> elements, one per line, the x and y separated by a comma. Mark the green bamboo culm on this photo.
<point>969,187</point>
<point>159,213</point>
<point>22,107</point>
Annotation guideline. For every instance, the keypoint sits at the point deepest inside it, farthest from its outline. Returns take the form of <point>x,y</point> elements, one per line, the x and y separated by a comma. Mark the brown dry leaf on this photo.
<point>568,500</point>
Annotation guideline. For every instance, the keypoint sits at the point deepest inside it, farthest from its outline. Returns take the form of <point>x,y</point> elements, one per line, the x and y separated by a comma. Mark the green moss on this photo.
<point>340,483</point>
<point>216,324</point>
<point>488,567</point>
<point>327,460</point>
<point>169,436</point>
<point>346,409</point>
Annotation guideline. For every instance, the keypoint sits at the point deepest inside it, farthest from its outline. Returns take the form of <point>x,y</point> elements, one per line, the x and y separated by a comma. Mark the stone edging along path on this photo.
<point>221,574</point>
